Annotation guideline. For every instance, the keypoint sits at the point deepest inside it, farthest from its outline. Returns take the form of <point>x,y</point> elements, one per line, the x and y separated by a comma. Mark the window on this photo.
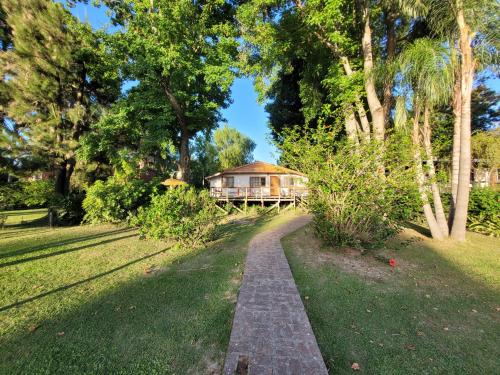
<point>257,181</point>
<point>291,181</point>
<point>228,182</point>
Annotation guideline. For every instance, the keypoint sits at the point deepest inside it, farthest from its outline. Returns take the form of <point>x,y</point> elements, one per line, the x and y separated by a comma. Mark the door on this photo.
<point>275,186</point>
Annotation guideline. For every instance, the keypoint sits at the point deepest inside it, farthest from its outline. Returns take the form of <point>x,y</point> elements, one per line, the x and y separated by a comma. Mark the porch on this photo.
<point>258,194</point>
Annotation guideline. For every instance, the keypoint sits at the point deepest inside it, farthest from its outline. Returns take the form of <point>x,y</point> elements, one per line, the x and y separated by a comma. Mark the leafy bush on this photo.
<point>353,202</point>
<point>69,209</point>
<point>484,211</point>
<point>181,214</point>
<point>116,200</point>
<point>27,194</point>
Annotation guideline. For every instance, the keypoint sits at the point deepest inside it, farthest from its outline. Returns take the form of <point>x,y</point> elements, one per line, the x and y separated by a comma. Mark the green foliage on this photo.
<point>484,211</point>
<point>116,200</point>
<point>233,148</point>
<point>353,203</point>
<point>69,208</point>
<point>181,214</point>
<point>23,194</point>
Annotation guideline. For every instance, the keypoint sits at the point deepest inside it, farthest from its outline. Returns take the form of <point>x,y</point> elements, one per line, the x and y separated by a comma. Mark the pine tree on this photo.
<point>58,72</point>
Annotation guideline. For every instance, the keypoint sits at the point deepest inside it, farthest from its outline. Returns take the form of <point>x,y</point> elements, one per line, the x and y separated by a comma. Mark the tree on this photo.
<point>428,76</point>
<point>59,73</point>
<point>183,51</point>
<point>233,148</point>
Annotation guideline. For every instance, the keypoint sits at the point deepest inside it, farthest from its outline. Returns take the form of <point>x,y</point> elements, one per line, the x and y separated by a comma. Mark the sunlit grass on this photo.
<point>438,312</point>
<point>97,299</point>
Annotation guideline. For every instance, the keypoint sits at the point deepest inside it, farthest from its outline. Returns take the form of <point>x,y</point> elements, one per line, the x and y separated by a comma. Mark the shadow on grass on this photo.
<point>60,252</point>
<point>80,282</point>
<point>167,322</point>
<point>33,249</point>
<point>420,229</point>
<point>419,319</point>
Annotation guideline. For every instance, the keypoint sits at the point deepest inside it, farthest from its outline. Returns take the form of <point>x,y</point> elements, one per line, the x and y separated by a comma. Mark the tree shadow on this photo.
<point>60,252</point>
<point>165,322</point>
<point>83,281</point>
<point>418,228</point>
<point>33,249</point>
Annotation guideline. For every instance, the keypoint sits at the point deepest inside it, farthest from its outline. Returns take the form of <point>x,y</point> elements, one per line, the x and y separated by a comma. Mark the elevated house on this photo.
<point>258,182</point>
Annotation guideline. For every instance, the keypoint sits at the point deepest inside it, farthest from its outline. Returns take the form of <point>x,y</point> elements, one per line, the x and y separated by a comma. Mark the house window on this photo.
<point>228,182</point>
<point>290,181</point>
<point>257,181</point>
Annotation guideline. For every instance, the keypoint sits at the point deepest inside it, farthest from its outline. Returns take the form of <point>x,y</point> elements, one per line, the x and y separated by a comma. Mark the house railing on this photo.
<point>246,192</point>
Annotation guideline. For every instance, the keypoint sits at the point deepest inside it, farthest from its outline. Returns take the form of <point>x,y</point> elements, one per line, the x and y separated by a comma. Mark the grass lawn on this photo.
<point>437,313</point>
<point>96,299</point>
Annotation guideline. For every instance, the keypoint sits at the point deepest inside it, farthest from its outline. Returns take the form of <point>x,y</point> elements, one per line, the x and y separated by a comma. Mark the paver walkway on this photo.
<point>271,332</point>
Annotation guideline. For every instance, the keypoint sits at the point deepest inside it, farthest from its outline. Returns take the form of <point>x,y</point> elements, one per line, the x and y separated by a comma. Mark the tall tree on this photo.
<point>471,25</point>
<point>184,51</point>
<point>233,148</point>
<point>58,72</point>
<point>428,76</point>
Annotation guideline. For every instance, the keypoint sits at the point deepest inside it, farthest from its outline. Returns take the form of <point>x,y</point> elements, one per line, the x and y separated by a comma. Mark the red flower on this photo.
<point>392,262</point>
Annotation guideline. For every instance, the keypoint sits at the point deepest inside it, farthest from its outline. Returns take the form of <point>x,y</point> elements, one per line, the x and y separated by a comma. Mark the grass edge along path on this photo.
<point>169,314</point>
<point>438,312</point>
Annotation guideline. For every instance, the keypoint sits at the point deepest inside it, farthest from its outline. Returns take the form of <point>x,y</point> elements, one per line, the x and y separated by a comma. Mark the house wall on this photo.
<point>243,181</point>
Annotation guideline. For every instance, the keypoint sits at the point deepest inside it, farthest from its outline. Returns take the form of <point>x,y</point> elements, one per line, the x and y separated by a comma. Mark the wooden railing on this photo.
<point>246,192</point>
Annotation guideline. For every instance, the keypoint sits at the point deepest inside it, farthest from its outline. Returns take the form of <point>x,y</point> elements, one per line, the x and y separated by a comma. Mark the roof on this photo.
<point>173,182</point>
<point>258,167</point>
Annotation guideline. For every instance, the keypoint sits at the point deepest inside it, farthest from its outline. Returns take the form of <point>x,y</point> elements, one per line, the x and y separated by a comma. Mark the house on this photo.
<point>258,181</point>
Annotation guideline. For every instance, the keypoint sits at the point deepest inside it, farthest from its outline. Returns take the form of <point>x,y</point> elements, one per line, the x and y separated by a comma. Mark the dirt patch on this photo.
<point>211,362</point>
<point>315,254</point>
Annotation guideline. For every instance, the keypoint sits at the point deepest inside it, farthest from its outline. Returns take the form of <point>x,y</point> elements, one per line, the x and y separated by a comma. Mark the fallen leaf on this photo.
<point>306,297</point>
<point>60,333</point>
<point>147,271</point>
<point>33,327</point>
<point>474,311</point>
<point>420,333</point>
<point>131,307</point>
<point>446,328</point>
<point>410,347</point>
<point>427,296</point>
<point>369,311</point>
<point>355,366</point>
<point>497,308</point>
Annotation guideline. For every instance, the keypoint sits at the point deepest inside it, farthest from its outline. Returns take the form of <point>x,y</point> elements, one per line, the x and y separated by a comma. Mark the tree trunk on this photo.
<point>183,173</point>
<point>389,21</point>
<point>351,125</point>
<point>376,109</point>
<point>455,158</point>
<point>438,205</point>
<point>184,158</point>
<point>63,172</point>
<point>429,215</point>
<point>466,79</point>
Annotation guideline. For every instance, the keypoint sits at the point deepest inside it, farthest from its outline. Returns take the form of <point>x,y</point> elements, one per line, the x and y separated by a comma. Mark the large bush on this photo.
<point>358,194</point>
<point>484,211</point>
<point>116,200</point>
<point>181,214</point>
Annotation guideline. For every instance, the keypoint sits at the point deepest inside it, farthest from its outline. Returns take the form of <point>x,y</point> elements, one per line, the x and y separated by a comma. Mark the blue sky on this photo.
<point>245,114</point>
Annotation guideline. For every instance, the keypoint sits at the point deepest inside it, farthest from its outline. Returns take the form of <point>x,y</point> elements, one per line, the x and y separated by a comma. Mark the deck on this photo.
<point>258,194</point>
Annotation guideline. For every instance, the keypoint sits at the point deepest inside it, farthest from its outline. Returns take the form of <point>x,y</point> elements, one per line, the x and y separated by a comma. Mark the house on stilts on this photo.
<point>259,182</point>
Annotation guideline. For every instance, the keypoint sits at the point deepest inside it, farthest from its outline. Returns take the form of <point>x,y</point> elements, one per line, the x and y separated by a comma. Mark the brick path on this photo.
<point>271,331</point>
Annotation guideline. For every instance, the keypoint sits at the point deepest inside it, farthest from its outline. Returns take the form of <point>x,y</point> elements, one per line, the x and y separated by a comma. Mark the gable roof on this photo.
<point>258,167</point>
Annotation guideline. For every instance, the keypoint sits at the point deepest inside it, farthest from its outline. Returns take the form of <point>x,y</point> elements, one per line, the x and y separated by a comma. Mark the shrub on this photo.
<point>352,201</point>
<point>484,211</point>
<point>69,209</point>
<point>116,200</point>
<point>181,214</point>
<point>27,194</point>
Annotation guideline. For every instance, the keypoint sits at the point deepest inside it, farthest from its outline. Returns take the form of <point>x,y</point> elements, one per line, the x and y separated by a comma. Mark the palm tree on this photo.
<point>465,21</point>
<point>427,76</point>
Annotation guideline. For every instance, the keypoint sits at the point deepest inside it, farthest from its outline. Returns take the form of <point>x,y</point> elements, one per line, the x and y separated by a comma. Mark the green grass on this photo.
<point>96,299</point>
<point>437,313</point>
